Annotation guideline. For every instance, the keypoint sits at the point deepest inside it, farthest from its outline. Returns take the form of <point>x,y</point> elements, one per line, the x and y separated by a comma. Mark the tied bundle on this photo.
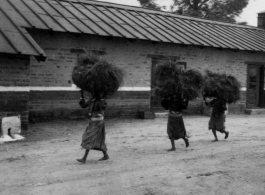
<point>173,82</point>
<point>97,76</point>
<point>225,87</point>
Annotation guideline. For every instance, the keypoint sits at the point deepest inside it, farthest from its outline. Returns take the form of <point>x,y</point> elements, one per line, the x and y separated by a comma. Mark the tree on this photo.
<point>222,10</point>
<point>150,4</point>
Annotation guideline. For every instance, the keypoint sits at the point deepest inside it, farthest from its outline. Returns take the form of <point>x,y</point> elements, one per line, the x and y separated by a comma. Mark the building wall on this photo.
<point>64,104</point>
<point>14,74</point>
<point>135,57</point>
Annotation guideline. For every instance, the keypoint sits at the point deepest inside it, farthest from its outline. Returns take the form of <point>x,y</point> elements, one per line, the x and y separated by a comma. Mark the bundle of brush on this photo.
<point>172,81</point>
<point>81,73</point>
<point>97,76</point>
<point>221,86</point>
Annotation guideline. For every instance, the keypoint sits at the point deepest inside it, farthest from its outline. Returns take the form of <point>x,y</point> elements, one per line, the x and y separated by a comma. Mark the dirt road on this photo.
<point>45,164</point>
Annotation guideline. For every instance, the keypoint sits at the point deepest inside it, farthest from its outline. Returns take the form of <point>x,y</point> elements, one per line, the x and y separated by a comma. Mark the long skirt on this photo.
<point>175,127</point>
<point>94,136</point>
<point>217,123</point>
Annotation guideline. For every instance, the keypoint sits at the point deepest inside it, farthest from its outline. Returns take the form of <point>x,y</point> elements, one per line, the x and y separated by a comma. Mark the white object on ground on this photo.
<point>11,127</point>
<point>6,138</point>
<point>18,137</point>
<point>13,123</point>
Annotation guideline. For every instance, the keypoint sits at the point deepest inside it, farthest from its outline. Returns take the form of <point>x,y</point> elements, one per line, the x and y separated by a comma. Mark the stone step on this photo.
<point>161,114</point>
<point>255,111</point>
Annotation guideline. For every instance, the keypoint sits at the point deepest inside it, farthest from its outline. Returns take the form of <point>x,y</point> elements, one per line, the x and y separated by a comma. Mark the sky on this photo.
<point>248,15</point>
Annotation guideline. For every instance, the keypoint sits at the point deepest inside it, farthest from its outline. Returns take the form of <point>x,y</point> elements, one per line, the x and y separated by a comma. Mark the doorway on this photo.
<point>255,86</point>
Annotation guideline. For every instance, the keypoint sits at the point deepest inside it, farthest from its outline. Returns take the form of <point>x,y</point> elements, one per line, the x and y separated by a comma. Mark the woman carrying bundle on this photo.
<point>219,89</point>
<point>217,120</point>
<point>175,126</point>
<point>177,87</point>
<point>94,135</point>
<point>101,79</point>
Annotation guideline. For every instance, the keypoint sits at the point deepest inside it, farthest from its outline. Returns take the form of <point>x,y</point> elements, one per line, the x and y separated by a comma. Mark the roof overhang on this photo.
<point>134,23</point>
<point>16,40</point>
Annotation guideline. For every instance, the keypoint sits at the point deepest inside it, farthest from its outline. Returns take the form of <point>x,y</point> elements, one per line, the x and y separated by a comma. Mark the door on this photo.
<point>155,99</point>
<point>253,86</point>
<point>262,87</point>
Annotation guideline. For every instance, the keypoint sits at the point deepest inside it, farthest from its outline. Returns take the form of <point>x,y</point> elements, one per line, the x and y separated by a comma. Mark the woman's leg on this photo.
<point>226,134</point>
<point>173,148</point>
<point>83,160</point>
<point>215,136</point>
<point>186,140</point>
<point>105,156</point>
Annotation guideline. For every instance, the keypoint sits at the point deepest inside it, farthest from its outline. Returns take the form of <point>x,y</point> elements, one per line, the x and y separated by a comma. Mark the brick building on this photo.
<point>35,76</point>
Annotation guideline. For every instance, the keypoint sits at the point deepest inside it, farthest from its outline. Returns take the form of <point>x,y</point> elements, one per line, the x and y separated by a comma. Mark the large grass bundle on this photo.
<point>97,76</point>
<point>173,82</point>
<point>222,86</point>
<point>81,71</point>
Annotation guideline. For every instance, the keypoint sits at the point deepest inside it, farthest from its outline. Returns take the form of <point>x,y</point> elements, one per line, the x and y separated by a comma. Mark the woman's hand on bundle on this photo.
<point>83,103</point>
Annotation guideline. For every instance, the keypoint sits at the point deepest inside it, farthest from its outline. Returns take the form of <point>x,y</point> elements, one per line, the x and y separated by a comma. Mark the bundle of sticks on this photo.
<point>173,82</point>
<point>96,75</point>
<point>222,86</point>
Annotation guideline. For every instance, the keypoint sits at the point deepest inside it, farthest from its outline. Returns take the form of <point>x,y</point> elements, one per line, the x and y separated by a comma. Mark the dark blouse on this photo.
<point>95,106</point>
<point>175,105</point>
<point>218,105</point>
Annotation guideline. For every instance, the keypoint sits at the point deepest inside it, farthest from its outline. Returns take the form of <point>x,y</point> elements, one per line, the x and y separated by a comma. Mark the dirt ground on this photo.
<point>45,164</point>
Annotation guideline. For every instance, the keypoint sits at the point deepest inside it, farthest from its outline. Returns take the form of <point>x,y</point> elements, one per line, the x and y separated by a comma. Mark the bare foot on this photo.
<point>172,149</point>
<point>81,161</point>
<point>216,140</point>
<point>226,134</point>
<point>186,142</point>
<point>104,158</point>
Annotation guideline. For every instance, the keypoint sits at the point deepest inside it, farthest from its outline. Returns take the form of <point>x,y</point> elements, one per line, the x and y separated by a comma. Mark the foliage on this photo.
<point>221,86</point>
<point>222,10</point>
<point>97,76</point>
<point>174,83</point>
<point>81,72</point>
<point>150,4</point>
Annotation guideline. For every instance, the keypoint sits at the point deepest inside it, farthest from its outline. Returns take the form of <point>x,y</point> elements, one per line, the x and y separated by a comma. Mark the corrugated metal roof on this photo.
<point>108,19</point>
<point>16,40</point>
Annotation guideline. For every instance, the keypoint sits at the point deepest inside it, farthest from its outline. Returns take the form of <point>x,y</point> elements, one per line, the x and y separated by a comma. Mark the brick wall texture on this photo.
<point>14,71</point>
<point>132,55</point>
<point>65,104</point>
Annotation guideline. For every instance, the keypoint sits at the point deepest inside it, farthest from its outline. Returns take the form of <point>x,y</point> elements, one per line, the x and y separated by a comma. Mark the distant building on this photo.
<point>40,41</point>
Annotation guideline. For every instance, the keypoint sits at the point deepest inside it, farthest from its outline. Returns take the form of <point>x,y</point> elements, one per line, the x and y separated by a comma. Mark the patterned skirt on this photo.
<point>94,136</point>
<point>175,127</point>
<point>217,123</point>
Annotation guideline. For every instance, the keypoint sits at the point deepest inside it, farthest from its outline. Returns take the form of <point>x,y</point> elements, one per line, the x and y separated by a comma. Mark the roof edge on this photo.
<point>165,13</point>
<point>261,12</point>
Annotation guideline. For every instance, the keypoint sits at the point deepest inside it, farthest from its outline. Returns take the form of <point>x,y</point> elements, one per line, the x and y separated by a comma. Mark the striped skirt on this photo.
<point>94,136</point>
<point>175,126</point>
<point>217,123</point>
